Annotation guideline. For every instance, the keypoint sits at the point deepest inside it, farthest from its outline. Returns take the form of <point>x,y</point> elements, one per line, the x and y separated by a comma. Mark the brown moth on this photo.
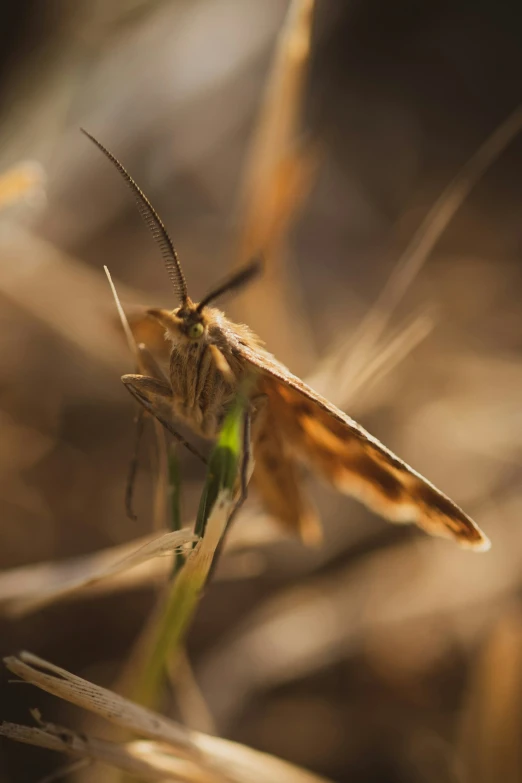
<point>292,424</point>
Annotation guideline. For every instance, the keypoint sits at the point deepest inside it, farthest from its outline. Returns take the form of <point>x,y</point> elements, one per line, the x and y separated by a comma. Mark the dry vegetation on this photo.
<point>373,152</point>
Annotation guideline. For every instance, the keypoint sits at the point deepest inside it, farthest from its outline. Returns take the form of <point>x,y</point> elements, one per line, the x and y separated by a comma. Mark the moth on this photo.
<point>292,424</point>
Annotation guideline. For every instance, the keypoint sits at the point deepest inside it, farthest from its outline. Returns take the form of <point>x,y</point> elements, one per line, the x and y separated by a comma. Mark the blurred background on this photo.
<point>383,655</point>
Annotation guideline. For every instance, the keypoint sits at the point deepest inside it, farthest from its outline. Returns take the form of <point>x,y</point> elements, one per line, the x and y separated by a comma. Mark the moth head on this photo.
<point>189,320</point>
<point>183,324</point>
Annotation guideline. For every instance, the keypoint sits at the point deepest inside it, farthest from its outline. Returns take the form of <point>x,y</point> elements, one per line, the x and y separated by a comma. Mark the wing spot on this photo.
<point>379,477</point>
<point>455,518</point>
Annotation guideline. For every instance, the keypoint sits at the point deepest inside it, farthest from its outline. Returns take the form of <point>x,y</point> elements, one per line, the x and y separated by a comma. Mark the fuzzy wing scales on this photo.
<point>351,459</point>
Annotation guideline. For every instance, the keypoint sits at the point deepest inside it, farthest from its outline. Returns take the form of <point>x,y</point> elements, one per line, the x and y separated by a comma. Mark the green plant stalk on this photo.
<point>180,602</point>
<point>174,501</point>
<point>179,607</point>
<point>223,465</point>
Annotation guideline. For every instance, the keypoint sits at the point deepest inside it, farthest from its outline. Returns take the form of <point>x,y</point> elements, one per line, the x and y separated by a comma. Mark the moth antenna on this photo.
<point>234,282</point>
<point>123,318</point>
<point>153,222</point>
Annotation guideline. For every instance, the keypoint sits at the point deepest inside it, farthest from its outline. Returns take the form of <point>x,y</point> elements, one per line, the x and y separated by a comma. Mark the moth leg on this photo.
<point>153,394</point>
<point>211,392</point>
<point>148,365</point>
<point>258,412</point>
<point>197,386</point>
<point>133,465</point>
<point>246,460</point>
<point>156,397</point>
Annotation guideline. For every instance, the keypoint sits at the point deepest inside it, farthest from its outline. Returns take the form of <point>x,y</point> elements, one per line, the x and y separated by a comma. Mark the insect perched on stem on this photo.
<point>291,423</point>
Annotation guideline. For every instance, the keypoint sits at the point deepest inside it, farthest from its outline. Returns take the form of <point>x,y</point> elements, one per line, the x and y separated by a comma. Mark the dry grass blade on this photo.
<point>278,176</point>
<point>427,235</point>
<point>387,357</point>
<point>490,747</point>
<point>108,705</point>
<point>332,380</point>
<point>245,765</point>
<point>19,587</point>
<point>25,590</point>
<point>142,760</point>
<point>342,376</point>
<point>274,181</point>
<point>158,547</point>
<point>131,342</point>
<point>22,588</point>
<point>173,749</point>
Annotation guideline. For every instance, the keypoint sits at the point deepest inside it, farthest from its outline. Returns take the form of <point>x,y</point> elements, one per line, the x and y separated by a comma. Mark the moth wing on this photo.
<point>276,478</point>
<point>351,459</point>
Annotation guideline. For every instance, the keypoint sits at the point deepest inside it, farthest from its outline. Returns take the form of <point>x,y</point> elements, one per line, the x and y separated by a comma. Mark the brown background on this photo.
<point>385,656</point>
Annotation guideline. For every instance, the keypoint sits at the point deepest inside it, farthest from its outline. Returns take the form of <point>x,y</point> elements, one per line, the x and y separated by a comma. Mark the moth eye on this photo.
<point>195,331</point>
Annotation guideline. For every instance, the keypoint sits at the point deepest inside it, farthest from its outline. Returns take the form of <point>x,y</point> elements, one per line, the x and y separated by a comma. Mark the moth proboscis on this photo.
<point>291,423</point>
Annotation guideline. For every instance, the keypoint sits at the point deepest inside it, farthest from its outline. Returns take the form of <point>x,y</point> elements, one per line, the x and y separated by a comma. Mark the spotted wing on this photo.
<point>351,459</point>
